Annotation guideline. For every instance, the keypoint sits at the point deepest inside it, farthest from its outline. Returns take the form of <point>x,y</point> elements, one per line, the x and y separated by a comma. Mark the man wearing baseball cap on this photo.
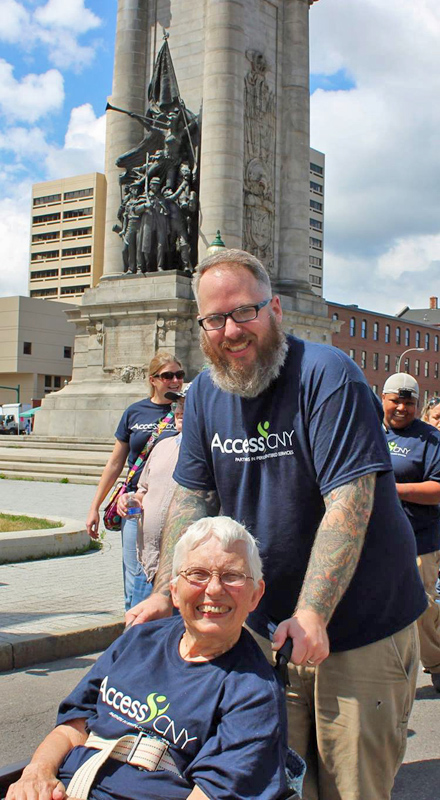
<point>415,455</point>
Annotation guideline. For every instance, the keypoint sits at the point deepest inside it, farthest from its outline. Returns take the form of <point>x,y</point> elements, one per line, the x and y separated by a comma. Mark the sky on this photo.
<point>375,113</point>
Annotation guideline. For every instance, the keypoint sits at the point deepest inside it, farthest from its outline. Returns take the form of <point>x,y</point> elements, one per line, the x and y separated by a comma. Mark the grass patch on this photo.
<point>64,480</point>
<point>19,522</point>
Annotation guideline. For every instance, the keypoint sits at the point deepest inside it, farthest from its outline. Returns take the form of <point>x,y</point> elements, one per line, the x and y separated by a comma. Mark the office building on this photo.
<point>316,220</point>
<point>36,348</point>
<point>67,237</point>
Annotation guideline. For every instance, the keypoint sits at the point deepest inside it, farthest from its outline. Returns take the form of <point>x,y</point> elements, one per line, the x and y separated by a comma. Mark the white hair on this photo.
<point>227,531</point>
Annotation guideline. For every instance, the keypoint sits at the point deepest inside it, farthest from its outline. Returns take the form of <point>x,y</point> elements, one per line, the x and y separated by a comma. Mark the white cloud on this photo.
<point>33,96</point>
<point>24,143</point>
<point>84,144</point>
<point>14,238</point>
<point>56,26</point>
<point>382,220</point>
<point>72,15</point>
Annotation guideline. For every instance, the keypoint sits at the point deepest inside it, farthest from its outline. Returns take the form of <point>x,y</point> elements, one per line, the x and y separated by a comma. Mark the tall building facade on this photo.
<point>381,345</point>
<point>316,221</point>
<point>67,237</point>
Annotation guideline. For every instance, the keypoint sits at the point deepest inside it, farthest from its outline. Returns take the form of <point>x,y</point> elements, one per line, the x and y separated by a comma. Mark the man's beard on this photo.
<point>248,380</point>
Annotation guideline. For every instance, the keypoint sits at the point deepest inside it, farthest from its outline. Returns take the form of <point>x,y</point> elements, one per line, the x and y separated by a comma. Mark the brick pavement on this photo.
<point>64,606</point>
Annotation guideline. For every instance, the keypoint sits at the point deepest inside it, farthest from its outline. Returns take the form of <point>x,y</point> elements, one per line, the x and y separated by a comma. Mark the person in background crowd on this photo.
<point>180,708</point>
<point>284,435</point>
<point>415,455</point>
<point>431,412</point>
<point>155,491</point>
<point>138,422</point>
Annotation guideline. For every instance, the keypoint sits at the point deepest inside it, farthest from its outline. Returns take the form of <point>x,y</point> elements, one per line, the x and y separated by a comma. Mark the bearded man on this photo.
<point>284,435</point>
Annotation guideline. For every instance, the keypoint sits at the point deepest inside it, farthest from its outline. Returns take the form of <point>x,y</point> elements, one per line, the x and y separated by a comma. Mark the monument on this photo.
<point>207,129</point>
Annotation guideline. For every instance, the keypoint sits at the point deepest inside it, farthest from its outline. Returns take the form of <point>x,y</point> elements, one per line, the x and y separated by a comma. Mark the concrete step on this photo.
<point>92,459</point>
<point>51,477</point>
<point>50,467</point>
<point>54,443</point>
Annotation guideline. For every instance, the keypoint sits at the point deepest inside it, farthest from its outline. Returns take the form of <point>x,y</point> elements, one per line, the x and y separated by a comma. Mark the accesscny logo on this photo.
<point>256,448</point>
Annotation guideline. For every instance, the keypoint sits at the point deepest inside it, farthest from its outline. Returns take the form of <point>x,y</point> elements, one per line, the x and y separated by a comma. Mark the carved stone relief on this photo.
<point>259,162</point>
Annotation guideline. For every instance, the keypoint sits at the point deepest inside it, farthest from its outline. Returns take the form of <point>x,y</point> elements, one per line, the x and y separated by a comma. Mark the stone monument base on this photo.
<point>119,326</point>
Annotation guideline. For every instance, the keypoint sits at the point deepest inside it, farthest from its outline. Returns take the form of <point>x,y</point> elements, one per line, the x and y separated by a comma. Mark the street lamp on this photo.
<point>410,349</point>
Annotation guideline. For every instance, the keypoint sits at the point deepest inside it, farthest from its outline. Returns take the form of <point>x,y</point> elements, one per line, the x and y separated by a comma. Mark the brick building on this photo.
<point>376,342</point>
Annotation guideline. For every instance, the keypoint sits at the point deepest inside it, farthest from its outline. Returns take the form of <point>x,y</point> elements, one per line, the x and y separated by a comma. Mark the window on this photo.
<point>45,254</point>
<point>387,333</point>
<point>315,205</point>
<point>57,382</point>
<point>352,326</point>
<point>48,381</point>
<point>67,352</point>
<point>27,348</point>
<point>78,193</point>
<point>45,237</point>
<point>387,363</point>
<point>364,329</point>
<point>436,369</point>
<point>315,280</point>
<point>436,344</point>
<point>407,337</point>
<point>317,168</point>
<point>43,273</point>
<point>417,367</point>
<point>426,396</point>
<point>375,388</point>
<point>316,187</point>
<point>406,365</point>
<point>397,363</point>
<point>49,198</point>
<point>77,232</point>
<point>426,369</point>
<point>426,341</point>
<point>68,252</point>
<point>417,338</point>
<point>46,218</point>
<point>375,360</point>
<point>335,316</point>
<point>397,335</point>
<point>315,243</point>
<point>74,289</point>
<point>376,331</point>
<point>315,223</point>
<point>353,355</point>
<point>78,212</point>
<point>81,269</point>
<point>315,261</point>
<point>44,292</point>
<point>364,359</point>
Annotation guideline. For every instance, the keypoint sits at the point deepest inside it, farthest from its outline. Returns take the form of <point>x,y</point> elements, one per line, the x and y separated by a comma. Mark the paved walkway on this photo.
<point>63,606</point>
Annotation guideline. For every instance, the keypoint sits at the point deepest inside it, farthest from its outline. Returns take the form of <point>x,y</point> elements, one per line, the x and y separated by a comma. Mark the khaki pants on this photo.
<point>429,623</point>
<point>348,717</point>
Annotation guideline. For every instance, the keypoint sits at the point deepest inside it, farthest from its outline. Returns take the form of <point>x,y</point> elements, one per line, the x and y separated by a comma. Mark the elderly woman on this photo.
<point>138,424</point>
<point>191,700</point>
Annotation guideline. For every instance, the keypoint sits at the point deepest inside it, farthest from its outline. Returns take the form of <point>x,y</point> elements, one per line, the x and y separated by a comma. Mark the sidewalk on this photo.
<point>59,607</point>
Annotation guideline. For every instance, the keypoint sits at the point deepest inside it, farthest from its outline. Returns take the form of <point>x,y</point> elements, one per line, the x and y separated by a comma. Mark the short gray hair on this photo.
<point>231,259</point>
<point>227,531</point>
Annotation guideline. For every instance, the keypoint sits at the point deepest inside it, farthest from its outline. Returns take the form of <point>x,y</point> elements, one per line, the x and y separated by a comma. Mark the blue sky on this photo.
<point>375,74</point>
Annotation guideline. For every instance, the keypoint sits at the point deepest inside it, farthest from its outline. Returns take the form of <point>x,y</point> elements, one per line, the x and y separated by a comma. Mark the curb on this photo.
<point>40,543</point>
<point>23,651</point>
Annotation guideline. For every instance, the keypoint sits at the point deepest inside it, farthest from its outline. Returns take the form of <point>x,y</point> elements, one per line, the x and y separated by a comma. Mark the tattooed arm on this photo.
<point>187,506</point>
<point>333,560</point>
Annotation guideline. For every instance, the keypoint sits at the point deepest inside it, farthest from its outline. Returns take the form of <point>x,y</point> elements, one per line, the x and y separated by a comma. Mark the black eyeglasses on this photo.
<point>177,408</point>
<point>214,322</point>
<point>197,576</point>
<point>168,376</point>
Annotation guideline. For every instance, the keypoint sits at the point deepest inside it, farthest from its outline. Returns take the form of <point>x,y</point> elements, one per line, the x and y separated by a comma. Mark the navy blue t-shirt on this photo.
<point>136,426</point>
<point>224,719</point>
<point>415,456</point>
<point>273,458</point>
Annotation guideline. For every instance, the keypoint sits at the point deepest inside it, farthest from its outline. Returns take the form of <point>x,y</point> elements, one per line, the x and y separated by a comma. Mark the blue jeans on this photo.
<point>136,586</point>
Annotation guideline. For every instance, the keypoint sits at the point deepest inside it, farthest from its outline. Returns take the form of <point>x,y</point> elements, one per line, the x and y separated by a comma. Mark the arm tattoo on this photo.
<point>338,544</point>
<point>186,507</point>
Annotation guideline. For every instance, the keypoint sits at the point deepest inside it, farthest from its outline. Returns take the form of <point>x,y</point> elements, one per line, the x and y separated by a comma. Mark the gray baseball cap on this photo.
<point>402,384</point>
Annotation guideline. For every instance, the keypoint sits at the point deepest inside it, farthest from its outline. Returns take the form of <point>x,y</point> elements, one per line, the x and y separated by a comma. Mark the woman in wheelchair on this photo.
<point>185,707</point>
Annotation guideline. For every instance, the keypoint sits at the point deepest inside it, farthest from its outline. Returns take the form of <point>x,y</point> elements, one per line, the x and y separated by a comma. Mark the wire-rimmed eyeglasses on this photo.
<point>198,576</point>
<point>434,401</point>
<point>214,322</point>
